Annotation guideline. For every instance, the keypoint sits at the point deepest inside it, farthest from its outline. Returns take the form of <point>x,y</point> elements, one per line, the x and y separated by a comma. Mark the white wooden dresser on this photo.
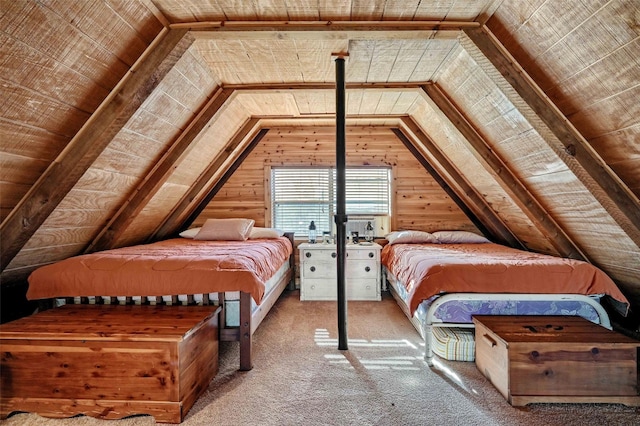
<point>318,271</point>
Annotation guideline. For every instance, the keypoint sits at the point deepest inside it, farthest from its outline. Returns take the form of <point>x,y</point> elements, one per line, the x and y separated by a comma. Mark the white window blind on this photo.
<point>300,195</point>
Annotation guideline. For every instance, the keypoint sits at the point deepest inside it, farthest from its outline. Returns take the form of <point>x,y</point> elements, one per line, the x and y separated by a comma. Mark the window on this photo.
<point>300,195</point>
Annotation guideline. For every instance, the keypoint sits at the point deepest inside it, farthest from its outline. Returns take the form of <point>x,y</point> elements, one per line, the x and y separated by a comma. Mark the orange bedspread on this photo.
<point>431,269</point>
<point>171,267</point>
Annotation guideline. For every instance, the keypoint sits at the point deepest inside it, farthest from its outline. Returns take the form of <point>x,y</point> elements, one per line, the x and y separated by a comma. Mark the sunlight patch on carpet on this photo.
<point>397,362</point>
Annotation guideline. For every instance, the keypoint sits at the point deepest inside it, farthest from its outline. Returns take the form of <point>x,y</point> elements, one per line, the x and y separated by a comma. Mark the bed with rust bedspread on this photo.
<point>427,279</point>
<point>177,266</point>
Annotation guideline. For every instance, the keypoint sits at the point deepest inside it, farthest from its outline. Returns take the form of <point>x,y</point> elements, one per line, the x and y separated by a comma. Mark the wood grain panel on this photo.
<point>100,23</point>
<point>131,154</point>
<point>30,142</point>
<point>139,16</point>
<point>243,194</point>
<point>327,10</point>
<point>27,67</point>
<point>452,145</point>
<point>154,211</point>
<point>28,260</point>
<point>75,60</point>
<point>544,171</point>
<point>34,109</point>
<point>585,59</point>
<point>46,31</point>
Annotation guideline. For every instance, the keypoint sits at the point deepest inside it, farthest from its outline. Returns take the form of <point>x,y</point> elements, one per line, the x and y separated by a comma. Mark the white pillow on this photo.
<point>257,232</point>
<point>459,237</point>
<point>225,229</point>
<point>408,237</point>
<point>189,233</point>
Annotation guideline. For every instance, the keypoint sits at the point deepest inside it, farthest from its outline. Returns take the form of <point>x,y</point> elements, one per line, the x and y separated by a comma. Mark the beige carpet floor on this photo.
<point>301,378</point>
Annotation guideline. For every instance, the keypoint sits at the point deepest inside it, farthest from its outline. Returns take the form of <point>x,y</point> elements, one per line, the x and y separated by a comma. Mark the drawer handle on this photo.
<point>371,254</point>
<point>334,254</point>
<point>307,254</point>
<point>490,340</point>
<point>367,269</point>
<point>312,269</point>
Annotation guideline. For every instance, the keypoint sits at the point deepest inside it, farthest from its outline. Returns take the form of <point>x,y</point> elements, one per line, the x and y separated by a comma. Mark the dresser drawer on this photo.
<point>323,289</point>
<point>361,269</point>
<point>362,289</point>
<point>363,253</point>
<point>358,268</point>
<point>321,255</point>
<point>314,269</point>
<point>319,289</point>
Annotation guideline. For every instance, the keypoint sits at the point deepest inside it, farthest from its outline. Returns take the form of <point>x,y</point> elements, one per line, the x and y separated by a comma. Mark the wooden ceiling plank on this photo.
<point>487,215</point>
<point>121,104</point>
<point>562,128</point>
<point>163,169</point>
<point>536,213</point>
<point>170,224</point>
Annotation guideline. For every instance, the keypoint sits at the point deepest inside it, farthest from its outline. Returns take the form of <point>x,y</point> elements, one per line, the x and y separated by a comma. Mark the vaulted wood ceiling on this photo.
<point>120,118</point>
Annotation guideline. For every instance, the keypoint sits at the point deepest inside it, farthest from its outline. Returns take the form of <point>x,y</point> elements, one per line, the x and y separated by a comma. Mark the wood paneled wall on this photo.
<point>123,165</point>
<point>57,65</point>
<point>418,201</point>
<point>590,71</point>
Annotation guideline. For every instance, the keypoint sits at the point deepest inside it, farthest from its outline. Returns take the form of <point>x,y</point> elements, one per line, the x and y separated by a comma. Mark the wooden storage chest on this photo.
<point>556,359</point>
<point>109,361</point>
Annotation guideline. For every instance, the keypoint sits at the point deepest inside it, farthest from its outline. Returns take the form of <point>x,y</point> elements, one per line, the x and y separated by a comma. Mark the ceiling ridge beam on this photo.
<point>159,174</point>
<point>357,26</point>
<point>575,144</point>
<point>171,223</point>
<point>497,226</point>
<point>322,116</point>
<point>538,215</point>
<point>414,85</point>
<point>89,142</point>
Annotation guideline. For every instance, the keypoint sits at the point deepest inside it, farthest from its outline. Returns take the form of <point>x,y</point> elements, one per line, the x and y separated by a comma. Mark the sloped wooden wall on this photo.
<point>544,173</point>
<point>59,64</point>
<point>585,58</point>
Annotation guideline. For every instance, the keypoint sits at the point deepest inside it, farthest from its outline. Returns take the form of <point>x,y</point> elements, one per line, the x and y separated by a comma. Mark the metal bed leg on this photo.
<point>428,339</point>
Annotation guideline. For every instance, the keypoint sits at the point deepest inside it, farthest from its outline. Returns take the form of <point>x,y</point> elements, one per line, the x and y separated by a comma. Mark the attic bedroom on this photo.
<point>126,123</point>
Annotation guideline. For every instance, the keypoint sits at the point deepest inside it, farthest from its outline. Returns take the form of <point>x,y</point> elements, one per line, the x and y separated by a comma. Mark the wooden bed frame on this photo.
<point>249,321</point>
<point>425,328</point>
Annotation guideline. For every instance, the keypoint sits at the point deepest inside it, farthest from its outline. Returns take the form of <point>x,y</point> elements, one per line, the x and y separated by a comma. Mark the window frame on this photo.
<point>300,230</point>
